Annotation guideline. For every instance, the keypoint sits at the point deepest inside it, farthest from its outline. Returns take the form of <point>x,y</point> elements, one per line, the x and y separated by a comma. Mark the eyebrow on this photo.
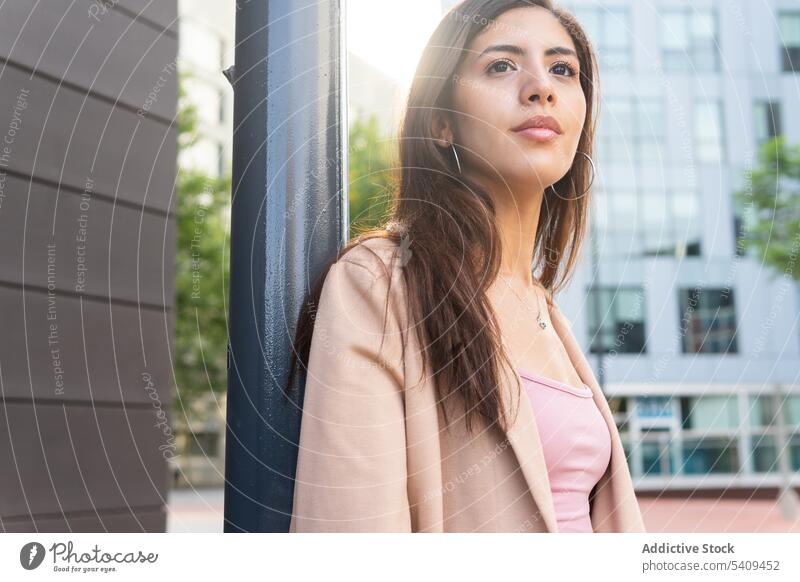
<point>514,49</point>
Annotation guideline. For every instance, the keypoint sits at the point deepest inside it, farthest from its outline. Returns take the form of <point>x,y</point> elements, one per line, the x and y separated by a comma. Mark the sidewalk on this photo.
<point>715,516</point>
<point>201,510</point>
<point>198,510</point>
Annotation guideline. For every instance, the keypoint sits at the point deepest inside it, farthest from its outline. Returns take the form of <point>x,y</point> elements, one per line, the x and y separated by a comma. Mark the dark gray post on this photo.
<point>289,216</point>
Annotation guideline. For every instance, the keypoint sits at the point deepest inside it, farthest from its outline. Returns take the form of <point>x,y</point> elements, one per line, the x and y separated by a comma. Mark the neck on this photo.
<point>517,219</point>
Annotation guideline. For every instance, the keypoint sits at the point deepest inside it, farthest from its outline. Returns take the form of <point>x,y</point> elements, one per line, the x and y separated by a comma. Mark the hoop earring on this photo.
<point>589,187</point>
<point>453,147</point>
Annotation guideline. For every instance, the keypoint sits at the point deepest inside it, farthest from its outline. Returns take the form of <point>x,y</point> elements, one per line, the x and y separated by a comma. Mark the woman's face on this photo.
<point>498,89</point>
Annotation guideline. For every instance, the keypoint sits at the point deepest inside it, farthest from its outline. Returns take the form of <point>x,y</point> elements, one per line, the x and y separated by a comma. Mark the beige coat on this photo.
<point>372,457</point>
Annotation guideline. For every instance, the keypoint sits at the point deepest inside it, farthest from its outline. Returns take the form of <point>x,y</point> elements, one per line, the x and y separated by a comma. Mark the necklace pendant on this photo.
<point>542,324</point>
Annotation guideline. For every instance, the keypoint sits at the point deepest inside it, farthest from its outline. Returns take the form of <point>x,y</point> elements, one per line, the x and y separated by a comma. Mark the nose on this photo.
<point>538,87</point>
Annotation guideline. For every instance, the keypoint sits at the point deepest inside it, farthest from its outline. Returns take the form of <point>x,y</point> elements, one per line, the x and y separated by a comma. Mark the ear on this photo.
<point>441,129</point>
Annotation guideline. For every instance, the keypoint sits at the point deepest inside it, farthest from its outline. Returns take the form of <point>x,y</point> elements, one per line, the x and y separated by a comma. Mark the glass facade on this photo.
<point>708,320</point>
<point>631,130</point>
<point>709,137</point>
<point>651,221</point>
<point>616,320</point>
<point>705,455</point>
<point>609,30</point>
<point>698,435</point>
<point>709,413</point>
<point>656,457</point>
<point>689,39</point>
<point>789,23</point>
<point>668,172</point>
<point>767,121</point>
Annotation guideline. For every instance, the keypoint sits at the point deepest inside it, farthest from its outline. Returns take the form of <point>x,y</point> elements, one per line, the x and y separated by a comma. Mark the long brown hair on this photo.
<point>451,219</point>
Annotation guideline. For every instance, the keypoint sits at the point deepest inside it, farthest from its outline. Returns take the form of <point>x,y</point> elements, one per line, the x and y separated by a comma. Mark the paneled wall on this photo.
<point>88,95</point>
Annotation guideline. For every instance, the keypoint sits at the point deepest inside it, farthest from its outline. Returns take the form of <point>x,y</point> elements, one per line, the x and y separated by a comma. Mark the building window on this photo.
<point>689,40</point>
<point>631,130</point>
<point>763,420</point>
<point>709,413</point>
<point>708,321</point>
<point>709,136</point>
<point>654,407</point>
<point>671,223</point>
<point>704,455</point>
<point>649,135</point>
<point>789,24</point>
<point>615,131</point>
<point>709,424</point>
<point>685,213</point>
<point>791,411</point>
<point>649,222</point>
<point>764,452</point>
<point>617,222</point>
<point>608,28</point>
<point>794,451</point>
<point>761,410</point>
<point>616,320</point>
<point>656,457</point>
<point>767,123</point>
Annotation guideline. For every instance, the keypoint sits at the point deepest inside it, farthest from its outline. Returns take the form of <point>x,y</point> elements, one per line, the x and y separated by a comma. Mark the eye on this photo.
<point>491,68</point>
<point>565,65</point>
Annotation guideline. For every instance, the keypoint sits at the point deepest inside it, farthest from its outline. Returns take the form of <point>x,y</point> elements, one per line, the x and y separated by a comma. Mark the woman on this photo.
<point>445,391</point>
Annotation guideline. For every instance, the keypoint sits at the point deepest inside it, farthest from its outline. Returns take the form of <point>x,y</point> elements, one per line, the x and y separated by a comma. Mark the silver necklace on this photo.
<point>542,323</point>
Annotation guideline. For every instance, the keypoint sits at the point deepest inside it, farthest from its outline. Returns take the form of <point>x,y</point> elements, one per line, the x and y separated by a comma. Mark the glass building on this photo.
<point>206,49</point>
<point>695,340</point>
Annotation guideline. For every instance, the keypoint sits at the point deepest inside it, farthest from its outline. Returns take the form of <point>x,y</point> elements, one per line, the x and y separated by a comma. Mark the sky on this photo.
<point>391,34</point>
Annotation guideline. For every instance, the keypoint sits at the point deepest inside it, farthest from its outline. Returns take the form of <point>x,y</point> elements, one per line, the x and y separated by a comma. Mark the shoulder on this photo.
<point>380,257</point>
<point>369,277</point>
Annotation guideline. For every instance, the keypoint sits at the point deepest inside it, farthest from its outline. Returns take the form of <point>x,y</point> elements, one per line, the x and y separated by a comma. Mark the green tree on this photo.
<point>201,277</point>
<point>770,205</point>
<point>371,175</point>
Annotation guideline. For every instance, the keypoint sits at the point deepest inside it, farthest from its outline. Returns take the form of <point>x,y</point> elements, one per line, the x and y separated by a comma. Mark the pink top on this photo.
<point>576,443</point>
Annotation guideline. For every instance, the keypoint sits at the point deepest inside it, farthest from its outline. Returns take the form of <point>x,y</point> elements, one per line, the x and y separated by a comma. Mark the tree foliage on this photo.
<point>201,272</point>
<point>371,176</point>
<point>770,204</point>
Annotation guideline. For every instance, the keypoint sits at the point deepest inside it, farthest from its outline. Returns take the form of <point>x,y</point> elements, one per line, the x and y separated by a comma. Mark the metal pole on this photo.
<point>788,501</point>
<point>288,218</point>
<point>596,304</point>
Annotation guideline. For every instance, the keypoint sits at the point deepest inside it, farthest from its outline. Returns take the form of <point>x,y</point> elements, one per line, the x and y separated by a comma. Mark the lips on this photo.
<point>540,122</point>
<point>538,133</point>
<point>539,128</point>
